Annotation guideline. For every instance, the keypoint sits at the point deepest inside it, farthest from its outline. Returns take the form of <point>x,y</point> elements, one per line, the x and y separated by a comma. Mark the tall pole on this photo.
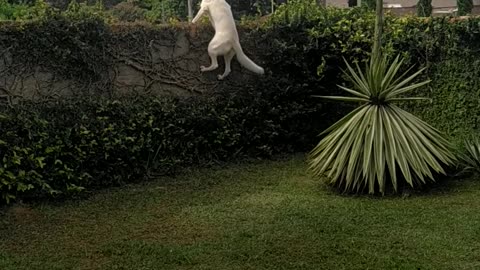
<point>377,42</point>
<point>190,11</point>
<point>163,12</point>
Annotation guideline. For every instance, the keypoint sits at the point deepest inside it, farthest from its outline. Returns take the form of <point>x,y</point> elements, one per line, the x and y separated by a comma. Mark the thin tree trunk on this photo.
<point>377,42</point>
<point>190,10</point>
<point>163,12</point>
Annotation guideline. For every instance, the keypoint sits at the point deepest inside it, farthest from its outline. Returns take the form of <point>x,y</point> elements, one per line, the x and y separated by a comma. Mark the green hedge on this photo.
<point>455,98</point>
<point>60,148</point>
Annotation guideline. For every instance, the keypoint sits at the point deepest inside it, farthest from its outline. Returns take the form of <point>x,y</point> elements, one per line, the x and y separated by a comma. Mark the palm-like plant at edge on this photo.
<point>378,139</point>
<point>471,156</point>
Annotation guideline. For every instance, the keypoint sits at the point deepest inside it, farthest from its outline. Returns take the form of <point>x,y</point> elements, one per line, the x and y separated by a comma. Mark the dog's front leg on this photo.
<point>199,14</point>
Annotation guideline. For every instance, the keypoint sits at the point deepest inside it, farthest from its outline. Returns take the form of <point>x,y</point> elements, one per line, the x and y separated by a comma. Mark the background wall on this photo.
<point>132,58</point>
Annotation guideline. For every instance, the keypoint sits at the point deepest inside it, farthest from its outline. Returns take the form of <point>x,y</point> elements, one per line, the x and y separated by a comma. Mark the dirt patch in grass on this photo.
<point>176,230</point>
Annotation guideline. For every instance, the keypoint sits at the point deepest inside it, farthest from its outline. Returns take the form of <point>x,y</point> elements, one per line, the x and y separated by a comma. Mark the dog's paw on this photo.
<point>220,77</point>
<point>203,69</point>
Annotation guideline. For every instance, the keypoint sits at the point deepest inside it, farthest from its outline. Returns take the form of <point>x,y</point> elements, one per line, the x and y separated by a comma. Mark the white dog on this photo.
<point>226,41</point>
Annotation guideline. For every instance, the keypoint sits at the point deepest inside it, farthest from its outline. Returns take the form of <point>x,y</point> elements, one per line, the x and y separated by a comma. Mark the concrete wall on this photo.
<point>159,65</point>
<point>408,7</point>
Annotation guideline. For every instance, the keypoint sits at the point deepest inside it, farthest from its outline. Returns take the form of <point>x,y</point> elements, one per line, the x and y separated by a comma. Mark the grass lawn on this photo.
<point>261,215</point>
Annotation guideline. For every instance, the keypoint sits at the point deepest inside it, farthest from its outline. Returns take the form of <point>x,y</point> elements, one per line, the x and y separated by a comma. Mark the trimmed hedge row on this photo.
<point>60,148</point>
<point>455,98</point>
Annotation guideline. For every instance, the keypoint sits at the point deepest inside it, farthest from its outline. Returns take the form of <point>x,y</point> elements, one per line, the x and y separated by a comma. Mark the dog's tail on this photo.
<point>245,61</point>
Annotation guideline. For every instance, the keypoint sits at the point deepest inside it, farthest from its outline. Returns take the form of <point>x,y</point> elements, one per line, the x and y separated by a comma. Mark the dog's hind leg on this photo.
<point>228,59</point>
<point>213,52</point>
<point>213,65</point>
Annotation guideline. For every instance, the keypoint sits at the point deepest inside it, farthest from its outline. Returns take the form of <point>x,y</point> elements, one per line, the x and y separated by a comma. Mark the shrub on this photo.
<point>128,12</point>
<point>84,11</point>
<point>369,4</point>
<point>23,11</point>
<point>166,10</point>
<point>424,8</point>
<point>59,149</point>
<point>453,94</point>
<point>464,7</point>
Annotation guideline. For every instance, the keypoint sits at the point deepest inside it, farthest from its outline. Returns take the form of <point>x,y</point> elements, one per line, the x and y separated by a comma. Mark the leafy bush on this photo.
<point>23,11</point>
<point>166,10</point>
<point>369,4</point>
<point>128,12</point>
<point>69,48</point>
<point>84,11</point>
<point>424,8</point>
<point>464,7</point>
<point>59,149</point>
<point>297,12</point>
<point>453,94</point>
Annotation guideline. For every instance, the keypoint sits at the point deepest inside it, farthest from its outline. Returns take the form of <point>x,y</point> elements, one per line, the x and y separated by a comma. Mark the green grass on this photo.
<point>261,215</point>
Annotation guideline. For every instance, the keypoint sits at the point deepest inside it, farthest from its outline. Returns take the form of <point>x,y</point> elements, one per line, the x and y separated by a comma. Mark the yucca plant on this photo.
<point>471,156</point>
<point>379,143</point>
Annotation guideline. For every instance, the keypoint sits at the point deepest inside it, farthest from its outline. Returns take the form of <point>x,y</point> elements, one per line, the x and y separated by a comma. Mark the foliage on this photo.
<point>424,8</point>
<point>242,8</point>
<point>41,10</point>
<point>83,11</point>
<point>464,7</point>
<point>297,12</point>
<point>454,93</point>
<point>369,4</point>
<point>369,145</point>
<point>471,155</point>
<point>23,11</point>
<point>128,12</point>
<point>163,10</point>
<point>303,57</point>
<point>440,43</point>
<point>69,47</point>
<point>62,148</point>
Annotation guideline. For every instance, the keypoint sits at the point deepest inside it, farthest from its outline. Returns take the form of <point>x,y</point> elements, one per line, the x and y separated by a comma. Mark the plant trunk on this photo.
<point>464,7</point>
<point>377,42</point>
<point>190,10</point>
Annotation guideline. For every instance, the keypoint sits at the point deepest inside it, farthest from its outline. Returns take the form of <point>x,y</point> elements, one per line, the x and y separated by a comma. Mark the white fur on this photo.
<point>226,41</point>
